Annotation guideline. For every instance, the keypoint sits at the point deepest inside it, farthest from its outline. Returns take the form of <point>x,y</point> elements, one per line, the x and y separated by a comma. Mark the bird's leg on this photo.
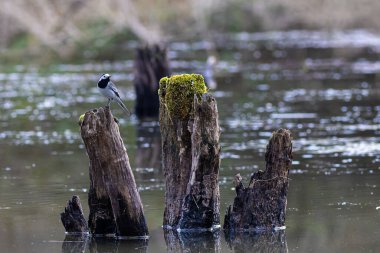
<point>109,102</point>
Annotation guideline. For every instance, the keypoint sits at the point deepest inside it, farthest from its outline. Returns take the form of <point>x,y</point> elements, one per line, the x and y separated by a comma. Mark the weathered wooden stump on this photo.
<point>262,205</point>
<point>115,205</point>
<point>72,218</point>
<point>191,153</point>
<point>150,65</point>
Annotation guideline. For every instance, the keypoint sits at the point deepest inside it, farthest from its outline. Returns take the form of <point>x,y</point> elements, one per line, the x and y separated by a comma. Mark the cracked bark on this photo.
<point>262,205</point>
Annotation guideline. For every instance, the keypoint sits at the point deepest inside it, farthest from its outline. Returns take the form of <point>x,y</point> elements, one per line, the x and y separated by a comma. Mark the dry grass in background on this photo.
<point>60,25</point>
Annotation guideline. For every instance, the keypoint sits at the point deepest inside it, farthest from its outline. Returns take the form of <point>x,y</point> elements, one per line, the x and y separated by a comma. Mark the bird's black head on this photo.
<point>103,81</point>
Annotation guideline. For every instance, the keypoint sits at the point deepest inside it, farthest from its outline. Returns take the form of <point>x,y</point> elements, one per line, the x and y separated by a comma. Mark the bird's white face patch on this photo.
<point>105,76</point>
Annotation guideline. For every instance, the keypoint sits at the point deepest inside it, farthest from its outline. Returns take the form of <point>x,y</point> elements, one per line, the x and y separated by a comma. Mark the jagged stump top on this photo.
<point>177,94</point>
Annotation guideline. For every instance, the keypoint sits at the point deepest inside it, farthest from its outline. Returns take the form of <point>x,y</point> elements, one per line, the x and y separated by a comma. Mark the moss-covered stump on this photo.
<point>115,205</point>
<point>262,205</point>
<point>150,65</point>
<point>191,153</point>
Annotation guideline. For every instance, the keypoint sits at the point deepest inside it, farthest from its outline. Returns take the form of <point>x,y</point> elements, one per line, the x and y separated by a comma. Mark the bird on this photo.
<point>108,89</point>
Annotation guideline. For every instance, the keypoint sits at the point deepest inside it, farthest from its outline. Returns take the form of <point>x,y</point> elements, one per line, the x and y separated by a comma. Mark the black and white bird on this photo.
<point>108,89</point>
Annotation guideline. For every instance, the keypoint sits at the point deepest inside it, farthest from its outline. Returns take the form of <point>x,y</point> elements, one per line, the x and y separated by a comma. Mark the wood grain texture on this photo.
<point>72,218</point>
<point>191,160</point>
<point>115,204</point>
<point>262,205</point>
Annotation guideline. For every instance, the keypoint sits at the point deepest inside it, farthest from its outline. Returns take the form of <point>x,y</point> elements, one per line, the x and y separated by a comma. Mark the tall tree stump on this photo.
<point>191,153</point>
<point>115,205</point>
<point>150,65</point>
<point>262,205</point>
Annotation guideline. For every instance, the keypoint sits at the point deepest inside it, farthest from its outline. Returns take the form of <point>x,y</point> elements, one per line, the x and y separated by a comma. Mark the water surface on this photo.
<point>322,86</point>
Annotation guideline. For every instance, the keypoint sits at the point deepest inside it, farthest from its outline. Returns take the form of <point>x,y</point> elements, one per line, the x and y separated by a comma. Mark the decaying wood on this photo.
<point>72,218</point>
<point>115,205</point>
<point>262,205</point>
<point>200,241</point>
<point>191,159</point>
<point>150,65</point>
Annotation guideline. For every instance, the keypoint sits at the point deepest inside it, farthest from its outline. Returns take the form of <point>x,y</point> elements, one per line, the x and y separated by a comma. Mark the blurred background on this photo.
<point>83,29</point>
<point>309,66</point>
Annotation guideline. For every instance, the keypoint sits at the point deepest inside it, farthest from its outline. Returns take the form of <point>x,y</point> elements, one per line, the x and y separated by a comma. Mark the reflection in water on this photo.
<point>257,242</point>
<point>84,243</point>
<point>107,245</point>
<point>204,241</point>
<point>74,243</point>
<point>148,155</point>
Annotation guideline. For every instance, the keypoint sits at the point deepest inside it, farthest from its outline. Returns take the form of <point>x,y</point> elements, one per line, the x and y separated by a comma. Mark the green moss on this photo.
<point>177,93</point>
<point>81,118</point>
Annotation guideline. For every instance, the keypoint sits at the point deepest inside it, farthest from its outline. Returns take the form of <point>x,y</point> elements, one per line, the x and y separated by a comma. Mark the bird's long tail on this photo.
<point>120,103</point>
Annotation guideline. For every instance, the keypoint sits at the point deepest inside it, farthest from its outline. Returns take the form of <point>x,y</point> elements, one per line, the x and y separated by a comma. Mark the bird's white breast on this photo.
<point>107,92</point>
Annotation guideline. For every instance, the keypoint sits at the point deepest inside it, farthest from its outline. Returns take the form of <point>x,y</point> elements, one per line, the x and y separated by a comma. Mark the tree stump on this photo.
<point>72,218</point>
<point>115,205</point>
<point>150,65</point>
<point>191,153</point>
<point>262,205</point>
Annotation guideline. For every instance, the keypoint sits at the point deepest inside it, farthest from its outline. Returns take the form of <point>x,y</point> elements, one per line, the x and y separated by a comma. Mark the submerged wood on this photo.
<point>262,205</point>
<point>150,65</point>
<point>115,204</point>
<point>191,160</point>
<point>72,218</point>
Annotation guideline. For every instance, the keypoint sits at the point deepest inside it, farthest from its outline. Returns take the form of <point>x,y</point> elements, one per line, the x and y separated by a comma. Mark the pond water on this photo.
<point>322,86</point>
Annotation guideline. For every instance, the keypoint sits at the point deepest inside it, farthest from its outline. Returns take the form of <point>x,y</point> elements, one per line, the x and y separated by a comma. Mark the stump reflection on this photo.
<point>105,245</point>
<point>274,241</point>
<point>74,243</point>
<point>148,154</point>
<point>85,243</point>
<point>204,241</point>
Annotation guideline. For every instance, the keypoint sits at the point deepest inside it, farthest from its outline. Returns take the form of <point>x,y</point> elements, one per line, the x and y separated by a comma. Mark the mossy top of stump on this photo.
<point>177,93</point>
